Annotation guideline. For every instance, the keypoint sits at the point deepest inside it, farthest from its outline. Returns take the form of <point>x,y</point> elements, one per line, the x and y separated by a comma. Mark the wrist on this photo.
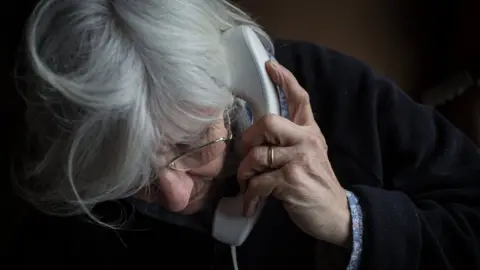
<point>345,230</point>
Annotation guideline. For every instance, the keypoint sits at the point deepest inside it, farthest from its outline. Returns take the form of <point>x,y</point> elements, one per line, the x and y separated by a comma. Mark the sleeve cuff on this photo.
<point>357,231</point>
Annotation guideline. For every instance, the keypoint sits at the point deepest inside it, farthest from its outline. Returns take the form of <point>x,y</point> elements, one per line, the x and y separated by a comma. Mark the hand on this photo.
<point>300,174</point>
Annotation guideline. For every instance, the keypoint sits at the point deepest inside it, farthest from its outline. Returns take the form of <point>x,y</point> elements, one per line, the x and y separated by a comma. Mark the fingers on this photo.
<point>256,162</point>
<point>297,98</point>
<point>271,130</point>
<point>260,187</point>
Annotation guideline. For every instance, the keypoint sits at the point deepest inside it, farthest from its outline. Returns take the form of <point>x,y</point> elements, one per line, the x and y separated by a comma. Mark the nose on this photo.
<point>176,189</point>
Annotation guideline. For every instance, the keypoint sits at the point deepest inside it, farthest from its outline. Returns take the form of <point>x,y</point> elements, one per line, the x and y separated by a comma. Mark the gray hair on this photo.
<point>114,83</point>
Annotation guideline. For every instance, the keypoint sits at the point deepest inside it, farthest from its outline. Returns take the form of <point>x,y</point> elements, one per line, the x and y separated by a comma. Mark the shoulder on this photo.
<point>333,78</point>
<point>300,56</point>
<point>324,72</point>
<point>330,77</point>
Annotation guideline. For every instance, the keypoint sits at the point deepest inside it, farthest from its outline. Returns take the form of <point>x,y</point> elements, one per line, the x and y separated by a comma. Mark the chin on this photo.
<point>192,209</point>
<point>198,203</point>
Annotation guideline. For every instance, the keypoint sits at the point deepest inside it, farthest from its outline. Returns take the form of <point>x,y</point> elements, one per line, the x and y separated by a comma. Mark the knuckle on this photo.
<point>287,72</point>
<point>313,140</point>
<point>291,79</point>
<point>303,96</point>
<point>292,171</point>
<point>258,154</point>
<point>269,120</point>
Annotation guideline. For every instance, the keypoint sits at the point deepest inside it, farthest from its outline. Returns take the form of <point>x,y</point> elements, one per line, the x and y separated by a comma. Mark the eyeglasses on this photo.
<point>203,154</point>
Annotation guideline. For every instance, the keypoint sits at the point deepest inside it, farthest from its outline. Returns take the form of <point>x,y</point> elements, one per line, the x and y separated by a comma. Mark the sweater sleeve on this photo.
<point>357,231</point>
<point>416,177</point>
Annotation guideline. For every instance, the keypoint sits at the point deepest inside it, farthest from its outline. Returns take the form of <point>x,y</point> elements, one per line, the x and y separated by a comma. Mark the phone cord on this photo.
<point>234,257</point>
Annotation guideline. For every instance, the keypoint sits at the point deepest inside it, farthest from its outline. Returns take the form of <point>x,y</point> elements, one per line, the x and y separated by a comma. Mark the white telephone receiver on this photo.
<point>246,56</point>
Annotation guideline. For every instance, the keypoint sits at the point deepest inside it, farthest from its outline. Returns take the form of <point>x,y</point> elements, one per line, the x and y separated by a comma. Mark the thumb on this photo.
<point>280,75</point>
<point>298,100</point>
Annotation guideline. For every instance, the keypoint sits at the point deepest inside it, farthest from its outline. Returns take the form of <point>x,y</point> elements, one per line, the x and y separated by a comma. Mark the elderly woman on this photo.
<point>133,128</point>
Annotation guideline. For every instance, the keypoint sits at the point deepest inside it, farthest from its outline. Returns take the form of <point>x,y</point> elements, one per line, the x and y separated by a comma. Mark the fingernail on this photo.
<point>276,70</point>
<point>275,64</point>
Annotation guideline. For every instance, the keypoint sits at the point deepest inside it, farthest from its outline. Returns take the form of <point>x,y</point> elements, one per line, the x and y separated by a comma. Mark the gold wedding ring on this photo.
<point>270,157</point>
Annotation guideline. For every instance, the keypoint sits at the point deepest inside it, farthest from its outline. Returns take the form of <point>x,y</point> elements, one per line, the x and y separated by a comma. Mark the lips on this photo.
<point>201,194</point>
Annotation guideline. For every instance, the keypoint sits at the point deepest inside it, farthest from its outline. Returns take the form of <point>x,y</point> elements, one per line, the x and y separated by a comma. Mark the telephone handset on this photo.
<point>246,56</point>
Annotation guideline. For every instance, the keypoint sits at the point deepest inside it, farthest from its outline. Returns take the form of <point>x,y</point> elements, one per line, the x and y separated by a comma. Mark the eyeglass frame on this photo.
<point>225,139</point>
